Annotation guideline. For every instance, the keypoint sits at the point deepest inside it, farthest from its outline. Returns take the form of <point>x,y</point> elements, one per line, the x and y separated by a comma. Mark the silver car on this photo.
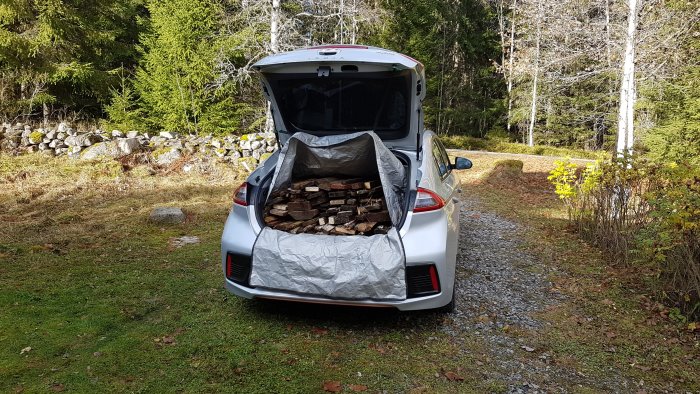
<point>346,89</point>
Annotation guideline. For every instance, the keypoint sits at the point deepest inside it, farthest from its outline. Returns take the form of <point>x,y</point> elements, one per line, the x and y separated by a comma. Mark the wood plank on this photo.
<point>298,206</point>
<point>287,226</point>
<point>303,215</point>
<point>280,207</point>
<point>344,230</point>
<point>381,216</point>
<point>312,189</point>
<point>371,184</point>
<point>278,212</point>
<point>365,226</point>
<point>312,195</point>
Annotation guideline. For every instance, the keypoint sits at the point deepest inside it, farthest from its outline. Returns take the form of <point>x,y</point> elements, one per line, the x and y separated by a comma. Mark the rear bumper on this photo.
<point>411,304</point>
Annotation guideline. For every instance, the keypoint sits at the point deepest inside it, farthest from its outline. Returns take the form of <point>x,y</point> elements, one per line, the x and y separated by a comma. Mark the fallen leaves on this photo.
<point>319,331</point>
<point>332,386</point>
<point>451,375</point>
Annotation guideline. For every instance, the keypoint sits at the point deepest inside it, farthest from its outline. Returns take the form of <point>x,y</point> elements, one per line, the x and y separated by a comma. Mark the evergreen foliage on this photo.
<point>457,42</point>
<point>59,53</point>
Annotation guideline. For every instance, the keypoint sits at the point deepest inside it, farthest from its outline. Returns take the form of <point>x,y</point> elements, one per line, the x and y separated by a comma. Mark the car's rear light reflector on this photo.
<point>229,266</point>
<point>434,278</point>
<point>422,280</point>
<point>238,268</point>
<point>240,196</point>
<point>427,200</point>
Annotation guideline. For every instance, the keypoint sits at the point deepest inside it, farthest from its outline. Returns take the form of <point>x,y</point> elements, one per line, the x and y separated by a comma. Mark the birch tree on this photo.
<point>625,118</point>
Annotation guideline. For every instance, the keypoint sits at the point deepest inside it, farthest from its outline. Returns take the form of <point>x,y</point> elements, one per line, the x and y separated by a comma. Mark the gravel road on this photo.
<point>499,288</point>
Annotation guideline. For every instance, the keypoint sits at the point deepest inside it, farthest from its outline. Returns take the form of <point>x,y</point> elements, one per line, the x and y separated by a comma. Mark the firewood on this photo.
<point>374,207</point>
<point>329,206</point>
<point>371,184</point>
<point>303,215</point>
<point>344,230</point>
<point>343,217</point>
<point>309,222</point>
<point>298,206</point>
<point>340,186</point>
<point>287,226</point>
<point>381,216</point>
<point>318,201</point>
<point>313,195</point>
<point>365,226</point>
<point>278,212</point>
<point>276,200</point>
<point>299,185</point>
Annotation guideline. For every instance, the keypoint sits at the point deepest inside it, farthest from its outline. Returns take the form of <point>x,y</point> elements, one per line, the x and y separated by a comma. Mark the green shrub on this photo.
<point>642,213</point>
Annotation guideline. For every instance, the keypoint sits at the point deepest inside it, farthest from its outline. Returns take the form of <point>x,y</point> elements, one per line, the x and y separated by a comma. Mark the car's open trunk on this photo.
<point>336,266</point>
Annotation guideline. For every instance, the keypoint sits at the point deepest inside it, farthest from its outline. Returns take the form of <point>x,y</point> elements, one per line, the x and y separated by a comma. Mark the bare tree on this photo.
<point>533,107</point>
<point>625,118</point>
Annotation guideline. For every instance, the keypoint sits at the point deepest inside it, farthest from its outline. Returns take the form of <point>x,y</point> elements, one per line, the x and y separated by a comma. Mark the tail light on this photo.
<point>427,200</point>
<point>240,196</point>
<point>422,280</point>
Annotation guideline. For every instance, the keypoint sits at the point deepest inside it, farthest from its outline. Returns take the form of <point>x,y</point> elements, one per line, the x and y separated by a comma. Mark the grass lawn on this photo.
<point>94,298</point>
<point>105,303</point>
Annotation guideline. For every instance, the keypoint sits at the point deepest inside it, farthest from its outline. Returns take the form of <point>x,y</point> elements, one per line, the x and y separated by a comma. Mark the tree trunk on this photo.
<point>533,108</point>
<point>625,118</point>
<point>274,48</point>
<point>274,26</point>
<point>510,63</point>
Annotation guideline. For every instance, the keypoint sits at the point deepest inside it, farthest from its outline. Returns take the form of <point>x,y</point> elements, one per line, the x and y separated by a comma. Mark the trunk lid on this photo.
<point>341,89</point>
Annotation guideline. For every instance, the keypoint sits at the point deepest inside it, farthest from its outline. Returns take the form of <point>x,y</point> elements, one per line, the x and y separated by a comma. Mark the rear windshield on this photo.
<point>342,103</point>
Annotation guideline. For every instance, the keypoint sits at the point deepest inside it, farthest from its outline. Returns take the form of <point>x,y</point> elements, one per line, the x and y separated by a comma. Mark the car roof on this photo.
<point>340,53</point>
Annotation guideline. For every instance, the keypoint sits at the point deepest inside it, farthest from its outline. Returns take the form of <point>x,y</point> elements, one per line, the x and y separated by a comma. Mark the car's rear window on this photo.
<point>342,103</point>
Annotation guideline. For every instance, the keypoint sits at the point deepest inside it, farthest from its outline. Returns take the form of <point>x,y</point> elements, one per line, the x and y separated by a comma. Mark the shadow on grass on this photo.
<point>345,317</point>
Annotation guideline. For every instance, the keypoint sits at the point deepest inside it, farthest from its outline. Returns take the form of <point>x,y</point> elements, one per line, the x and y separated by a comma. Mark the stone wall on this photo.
<point>164,148</point>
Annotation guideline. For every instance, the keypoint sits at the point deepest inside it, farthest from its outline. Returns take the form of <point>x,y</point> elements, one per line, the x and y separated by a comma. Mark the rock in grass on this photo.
<point>167,215</point>
<point>101,150</point>
<point>165,157</point>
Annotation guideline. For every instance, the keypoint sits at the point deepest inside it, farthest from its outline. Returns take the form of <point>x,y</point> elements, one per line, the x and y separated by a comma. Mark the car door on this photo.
<point>449,191</point>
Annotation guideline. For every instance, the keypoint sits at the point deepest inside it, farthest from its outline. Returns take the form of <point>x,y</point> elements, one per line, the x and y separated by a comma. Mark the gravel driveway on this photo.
<point>499,289</point>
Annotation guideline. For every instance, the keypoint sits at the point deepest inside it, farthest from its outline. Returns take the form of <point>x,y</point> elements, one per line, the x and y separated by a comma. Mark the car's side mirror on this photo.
<point>462,163</point>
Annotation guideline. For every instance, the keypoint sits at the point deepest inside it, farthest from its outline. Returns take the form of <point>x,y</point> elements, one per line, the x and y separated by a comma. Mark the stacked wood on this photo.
<point>338,206</point>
